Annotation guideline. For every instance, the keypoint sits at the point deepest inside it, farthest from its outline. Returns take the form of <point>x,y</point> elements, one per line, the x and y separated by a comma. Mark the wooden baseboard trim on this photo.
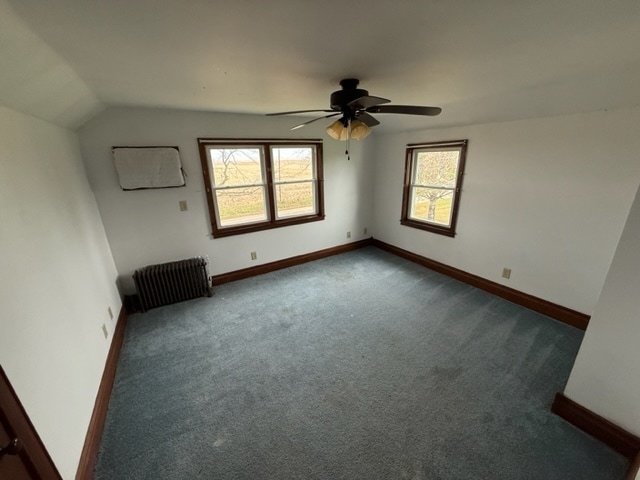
<point>634,468</point>
<point>563,314</point>
<point>608,433</point>
<point>287,262</point>
<point>96,425</point>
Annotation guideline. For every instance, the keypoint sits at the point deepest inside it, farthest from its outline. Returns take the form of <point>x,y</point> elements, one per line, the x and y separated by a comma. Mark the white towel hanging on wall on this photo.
<point>148,167</point>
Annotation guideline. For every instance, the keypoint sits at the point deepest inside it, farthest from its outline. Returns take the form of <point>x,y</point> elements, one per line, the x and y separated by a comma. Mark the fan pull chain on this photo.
<point>346,152</point>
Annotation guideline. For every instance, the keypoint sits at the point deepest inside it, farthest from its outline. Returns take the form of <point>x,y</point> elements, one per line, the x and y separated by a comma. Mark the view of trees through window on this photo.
<point>293,179</point>
<point>435,181</point>
<point>432,185</point>
<point>253,183</point>
<point>240,186</point>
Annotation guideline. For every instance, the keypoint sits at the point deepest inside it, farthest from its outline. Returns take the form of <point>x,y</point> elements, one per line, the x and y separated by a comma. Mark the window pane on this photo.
<point>295,199</point>
<point>241,205</point>
<point>436,168</point>
<point>431,205</point>
<point>236,166</point>
<point>292,163</point>
<point>259,184</point>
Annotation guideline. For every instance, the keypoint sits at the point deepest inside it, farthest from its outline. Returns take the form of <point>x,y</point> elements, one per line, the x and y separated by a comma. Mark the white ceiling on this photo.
<point>480,60</point>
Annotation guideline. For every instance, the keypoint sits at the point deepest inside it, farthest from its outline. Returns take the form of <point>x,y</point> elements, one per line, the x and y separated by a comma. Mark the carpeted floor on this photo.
<point>358,366</point>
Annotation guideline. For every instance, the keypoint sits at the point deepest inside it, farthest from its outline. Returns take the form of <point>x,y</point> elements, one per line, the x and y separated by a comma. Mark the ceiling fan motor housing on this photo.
<point>340,98</point>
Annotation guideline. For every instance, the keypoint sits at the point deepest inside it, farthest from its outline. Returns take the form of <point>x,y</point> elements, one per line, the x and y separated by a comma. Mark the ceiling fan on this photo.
<point>355,106</point>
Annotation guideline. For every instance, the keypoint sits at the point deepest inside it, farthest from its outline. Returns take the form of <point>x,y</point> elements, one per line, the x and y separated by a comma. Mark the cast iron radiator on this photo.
<point>172,282</point>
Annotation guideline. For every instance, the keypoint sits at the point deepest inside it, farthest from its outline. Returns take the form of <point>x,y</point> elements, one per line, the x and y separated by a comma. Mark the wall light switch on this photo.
<point>183,206</point>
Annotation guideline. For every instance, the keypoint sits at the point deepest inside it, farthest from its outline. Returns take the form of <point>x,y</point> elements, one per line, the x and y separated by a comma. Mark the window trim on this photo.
<point>272,220</point>
<point>450,230</point>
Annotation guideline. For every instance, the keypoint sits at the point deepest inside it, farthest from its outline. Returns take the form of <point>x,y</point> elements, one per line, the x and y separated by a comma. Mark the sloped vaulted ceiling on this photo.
<point>480,60</point>
<point>34,79</point>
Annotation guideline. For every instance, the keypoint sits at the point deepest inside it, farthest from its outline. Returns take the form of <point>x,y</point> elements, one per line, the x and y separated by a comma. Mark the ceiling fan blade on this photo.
<point>367,101</point>
<point>315,119</point>
<point>405,109</point>
<point>368,120</point>
<point>296,111</point>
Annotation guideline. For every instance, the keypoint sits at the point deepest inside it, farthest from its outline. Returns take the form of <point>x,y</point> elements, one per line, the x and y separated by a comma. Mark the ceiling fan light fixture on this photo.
<point>359,129</point>
<point>340,131</point>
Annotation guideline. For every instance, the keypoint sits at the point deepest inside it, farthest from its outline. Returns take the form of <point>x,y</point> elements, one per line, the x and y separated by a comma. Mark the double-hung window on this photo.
<point>432,185</point>
<point>255,185</point>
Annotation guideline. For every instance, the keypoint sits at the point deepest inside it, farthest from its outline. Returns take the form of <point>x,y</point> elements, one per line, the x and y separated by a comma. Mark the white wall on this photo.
<point>546,197</point>
<point>146,226</point>
<point>605,377</point>
<point>57,281</point>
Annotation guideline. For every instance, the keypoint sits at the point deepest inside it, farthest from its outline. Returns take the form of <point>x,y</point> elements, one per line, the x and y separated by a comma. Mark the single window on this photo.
<point>260,184</point>
<point>432,184</point>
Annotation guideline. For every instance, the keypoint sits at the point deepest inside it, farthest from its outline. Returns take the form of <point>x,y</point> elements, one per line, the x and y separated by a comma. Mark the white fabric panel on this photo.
<point>153,167</point>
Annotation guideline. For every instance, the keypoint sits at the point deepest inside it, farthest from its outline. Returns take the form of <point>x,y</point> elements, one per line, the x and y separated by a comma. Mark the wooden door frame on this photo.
<point>17,422</point>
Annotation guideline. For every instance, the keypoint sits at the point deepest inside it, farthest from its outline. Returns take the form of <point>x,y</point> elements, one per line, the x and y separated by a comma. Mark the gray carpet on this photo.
<point>357,366</point>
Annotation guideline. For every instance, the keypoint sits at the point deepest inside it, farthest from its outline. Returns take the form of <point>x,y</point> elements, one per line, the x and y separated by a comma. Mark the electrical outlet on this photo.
<point>364,232</point>
<point>110,313</point>
<point>253,255</point>
<point>105,331</point>
<point>506,272</point>
<point>183,205</point>
<point>348,234</point>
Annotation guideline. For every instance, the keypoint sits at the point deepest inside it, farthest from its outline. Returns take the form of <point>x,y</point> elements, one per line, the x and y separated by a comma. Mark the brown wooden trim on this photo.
<point>34,454</point>
<point>563,314</point>
<point>258,227</point>
<point>448,230</point>
<point>407,222</point>
<point>115,147</point>
<point>202,148</point>
<point>271,220</point>
<point>320,179</point>
<point>271,194</point>
<point>96,425</point>
<point>287,262</point>
<point>634,468</point>
<point>280,141</point>
<point>445,143</point>
<point>609,433</point>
